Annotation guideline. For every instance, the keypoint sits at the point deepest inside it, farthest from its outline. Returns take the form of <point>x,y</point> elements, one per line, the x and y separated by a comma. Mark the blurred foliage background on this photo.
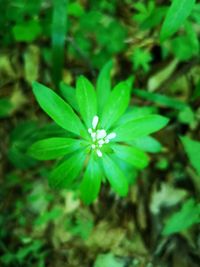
<point>53,41</point>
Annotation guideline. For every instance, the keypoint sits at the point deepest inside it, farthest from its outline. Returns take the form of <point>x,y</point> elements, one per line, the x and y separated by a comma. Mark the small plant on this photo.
<point>188,215</point>
<point>97,139</point>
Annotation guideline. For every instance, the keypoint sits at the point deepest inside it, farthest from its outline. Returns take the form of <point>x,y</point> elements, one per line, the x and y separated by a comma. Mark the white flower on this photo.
<point>101,134</point>
<point>99,137</point>
<point>101,142</point>
<point>93,135</point>
<point>111,136</point>
<point>90,130</point>
<point>99,153</point>
<point>95,122</point>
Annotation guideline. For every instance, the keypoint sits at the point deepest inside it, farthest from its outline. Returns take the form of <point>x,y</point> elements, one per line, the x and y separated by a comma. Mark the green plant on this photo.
<point>188,215</point>
<point>176,16</point>
<point>108,260</point>
<point>5,107</point>
<point>148,14</point>
<point>96,47</point>
<point>141,59</point>
<point>99,138</point>
<point>192,148</point>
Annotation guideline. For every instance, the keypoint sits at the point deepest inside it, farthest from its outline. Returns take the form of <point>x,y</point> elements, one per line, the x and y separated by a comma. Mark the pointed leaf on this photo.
<point>115,176</point>
<point>57,109</point>
<point>91,182</point>
<point>131,155</point>
<point>86,98</point>
<point>135,113</point>
<point>188,215</point>
<point>52,148</point>
<point>160,99</point>
<point>104,85</point>
<point>147,143</point>
<point>67,171</point>
<point>69,94</point>
<point>58,37</point>
<point>176,16</point>
<point>140,127</point>
<point>116,104</point>
<point>192,148</point>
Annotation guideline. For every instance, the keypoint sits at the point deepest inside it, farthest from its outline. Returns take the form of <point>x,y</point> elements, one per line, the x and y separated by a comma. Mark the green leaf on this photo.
<point>135,113</point>
<point>187,116</point>
<point>86,98</point>
<point>183,219</point>
<point>91,182</point>
<point>154,18</point>
<point>147,143</point>
<point>104,85</point>
<point>192,35</point>
<point>131,155</point>
<point>6,107</point>
<point>144,11</point>
<point>115,176</point>
<point>192,149</point>
<point>195,13</point>
<point>140,127</point>
<point>160,99</point>
<point>129,170</point>
<point>64,174</point>
<point>141,59</point>
<point>82,226</point>
<point>21,137</point>
<point>59,29</point>
<point>162,164</point>
<point>108,260</point>
<point>31,63</point>
<point>57,109</point>
<point>27,31</point>
<point>75,9</point>
<point>69,94</point>
<point>50,215</point>
<point>157,80</point>
<point>52,148</point>
<point>186,46</point>
<point>116,104</point>
<point>176,15</point>
<point>31,248</point>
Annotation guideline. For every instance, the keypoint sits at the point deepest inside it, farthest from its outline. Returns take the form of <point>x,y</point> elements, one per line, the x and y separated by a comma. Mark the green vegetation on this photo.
<point>99,126</point>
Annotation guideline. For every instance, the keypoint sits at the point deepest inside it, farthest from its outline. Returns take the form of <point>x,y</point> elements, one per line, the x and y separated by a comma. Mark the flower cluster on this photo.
<point>99,137</point>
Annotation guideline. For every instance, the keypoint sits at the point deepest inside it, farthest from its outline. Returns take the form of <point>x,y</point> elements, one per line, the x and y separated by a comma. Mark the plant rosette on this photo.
<point>102,134</point>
